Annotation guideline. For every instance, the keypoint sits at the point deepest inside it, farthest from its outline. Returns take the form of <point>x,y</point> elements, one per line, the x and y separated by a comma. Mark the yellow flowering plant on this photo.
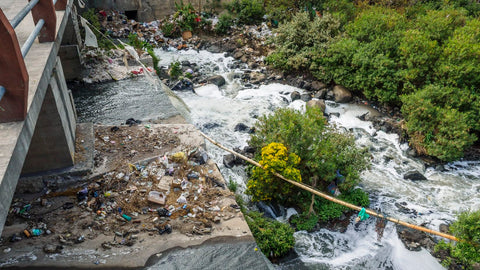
<point>263,185</point>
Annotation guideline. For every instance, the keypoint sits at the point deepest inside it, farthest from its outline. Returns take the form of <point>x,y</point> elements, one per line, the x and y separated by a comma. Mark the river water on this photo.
<point>216,111</point>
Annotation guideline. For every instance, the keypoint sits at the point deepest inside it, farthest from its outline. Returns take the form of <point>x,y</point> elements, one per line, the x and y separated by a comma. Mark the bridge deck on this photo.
<point>15,137</point>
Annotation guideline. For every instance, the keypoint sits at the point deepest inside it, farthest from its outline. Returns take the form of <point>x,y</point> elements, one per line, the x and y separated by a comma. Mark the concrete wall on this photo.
<point>149,10</point>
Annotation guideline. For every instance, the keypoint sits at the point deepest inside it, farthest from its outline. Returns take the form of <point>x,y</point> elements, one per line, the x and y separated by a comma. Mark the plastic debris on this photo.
<point>156,197</point>
<point>181,199</point>
<point>362,215</point>
<point>37,232</point>
<point>127,218</point>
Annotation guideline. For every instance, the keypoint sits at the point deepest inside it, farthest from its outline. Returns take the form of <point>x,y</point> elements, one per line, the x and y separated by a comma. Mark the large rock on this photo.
<point>341,94</point>
<point>414,240</point>
<point>306,97</point>
<point>218,80</point>
<point>241,127</point>
<point>320,94</point>
<point>318,103</point>
<point>257,77</point>
<point>238,54</point>
<point>414,176</point>
<point>316,86</point>
<point>295,95</point>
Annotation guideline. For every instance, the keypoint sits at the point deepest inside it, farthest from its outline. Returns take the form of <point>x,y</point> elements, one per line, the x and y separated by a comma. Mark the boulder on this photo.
<point>305,97</point>
<point>238,54</point>
<point>319,103</point>
<point>257,77</point>
<point>218,80</point>
<point>295,95</point>
<point>229,160</point>
<point>341,94</point>
<point>320,94</point>
<point>241,127</point>
<point>316,86</point>
<point>414,176</point>
<point>444,228</point>
<point>412,239</point>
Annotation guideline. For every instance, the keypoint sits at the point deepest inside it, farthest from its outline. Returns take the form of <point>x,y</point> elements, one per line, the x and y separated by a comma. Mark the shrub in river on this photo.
<point>322,149</point>
<point>263,185</point>
<point>274,238</point>
<point>467,250</point>
<point>175,70</point>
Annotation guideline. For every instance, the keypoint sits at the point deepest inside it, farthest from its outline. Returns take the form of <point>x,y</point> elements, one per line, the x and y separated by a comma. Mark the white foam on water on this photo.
<point>209,90</point>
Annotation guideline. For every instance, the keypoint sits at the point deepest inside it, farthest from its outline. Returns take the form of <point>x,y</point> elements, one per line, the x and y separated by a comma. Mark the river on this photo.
<point>216,111</point>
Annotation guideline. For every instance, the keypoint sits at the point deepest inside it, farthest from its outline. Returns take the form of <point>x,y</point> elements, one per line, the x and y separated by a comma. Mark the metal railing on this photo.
<point>33,35</point>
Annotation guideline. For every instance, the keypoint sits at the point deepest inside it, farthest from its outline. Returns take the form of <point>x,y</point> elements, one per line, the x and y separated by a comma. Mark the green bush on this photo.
<point>304,221</point>
<point>436,124</point>
<point>301,39</point>
<point>263,185</point>
<point>225,22</point>
<point>170,30</point>
<point>322,149</point>
<point>467,250</point>
<point>185,16</point>
<point>247,11</point>
<point>274,238</point>
<point>175,70</point>
<point>460,60</point>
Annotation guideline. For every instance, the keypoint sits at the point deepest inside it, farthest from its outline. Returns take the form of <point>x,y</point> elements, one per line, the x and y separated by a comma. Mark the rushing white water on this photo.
<point>447,190</point>
<point>431,202</point>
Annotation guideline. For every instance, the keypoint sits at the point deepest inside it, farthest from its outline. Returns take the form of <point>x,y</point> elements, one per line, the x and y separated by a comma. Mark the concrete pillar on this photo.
<point>69,51</point>
<point>53,142</point>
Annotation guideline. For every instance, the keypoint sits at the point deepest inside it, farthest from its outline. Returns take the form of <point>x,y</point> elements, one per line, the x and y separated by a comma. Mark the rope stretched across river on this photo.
<point>333,199</point>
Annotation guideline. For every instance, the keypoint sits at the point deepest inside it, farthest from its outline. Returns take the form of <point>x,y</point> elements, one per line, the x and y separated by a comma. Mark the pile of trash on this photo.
<point>181,192</point>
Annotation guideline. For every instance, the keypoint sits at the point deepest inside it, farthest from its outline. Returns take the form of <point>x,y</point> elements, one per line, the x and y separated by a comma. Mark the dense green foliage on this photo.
<point>263,185</point>
<point>421,56</point>
<point>186,16</point>
<point>247,11</point>
<point>301,39</point>
<point>225,22</point>
<point>325,210</point>
<point>467,250</point>
<point>321,148</point>
<point>274,238</point>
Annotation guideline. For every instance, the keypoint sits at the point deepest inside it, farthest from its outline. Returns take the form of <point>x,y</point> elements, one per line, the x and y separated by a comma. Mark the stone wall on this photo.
<point>149,10</point>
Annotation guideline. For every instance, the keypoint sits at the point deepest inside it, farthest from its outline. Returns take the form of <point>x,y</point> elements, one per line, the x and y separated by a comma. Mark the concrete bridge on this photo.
<point>37,115</point>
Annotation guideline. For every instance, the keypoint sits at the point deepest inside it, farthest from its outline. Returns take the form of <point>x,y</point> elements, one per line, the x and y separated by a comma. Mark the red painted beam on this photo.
<point>61,5</point>
<point>13,75</point>
<point>45,10</point>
